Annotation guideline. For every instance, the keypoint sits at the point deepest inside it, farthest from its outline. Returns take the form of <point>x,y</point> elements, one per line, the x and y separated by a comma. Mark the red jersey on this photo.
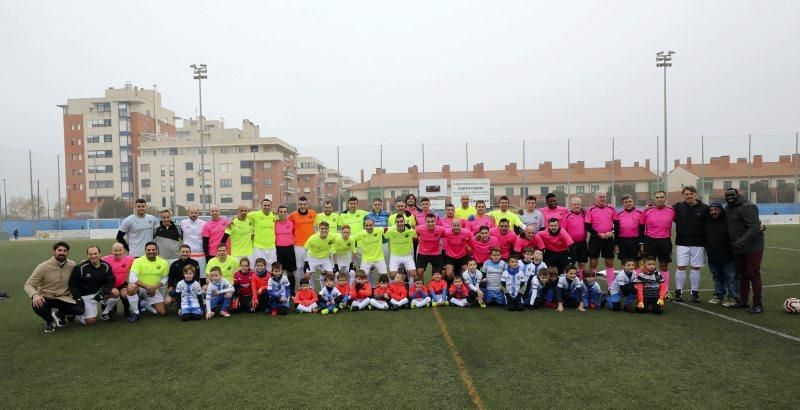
<point>558,243</point>
<point>459,292</point>
<point>397,291</point>
<point>574,225</point>
<point>381,293</point>
<point>244,281</point>
<point>482,250</point>
<point>258,284</point>
<point>506,241</point>
<point>305,297</point>
<point>455,244</point>
<point>429,241</point>
<point>343,289</point>
<point>361,292</point>
<point>415,292</point>
<point>437,286</point>
<point>523,243</point>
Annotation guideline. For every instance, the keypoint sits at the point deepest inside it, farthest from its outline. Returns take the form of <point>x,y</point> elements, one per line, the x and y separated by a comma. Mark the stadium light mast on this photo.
<point>200,74</point>
<point>664,60</point>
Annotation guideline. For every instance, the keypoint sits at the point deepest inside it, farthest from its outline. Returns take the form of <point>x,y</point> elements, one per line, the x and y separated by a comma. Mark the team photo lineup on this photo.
<point>274,262</point>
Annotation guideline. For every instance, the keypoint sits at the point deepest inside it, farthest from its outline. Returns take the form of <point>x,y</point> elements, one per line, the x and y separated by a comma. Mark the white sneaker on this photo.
<point>715,300</point>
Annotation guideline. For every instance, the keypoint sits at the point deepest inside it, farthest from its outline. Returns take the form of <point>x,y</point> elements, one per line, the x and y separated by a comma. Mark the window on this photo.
<point>78,171</point>
<point>107,138</point>
<point>225,183</point>
<point>708,185</point>
<point>764,182</point>
<point>144,167</point>
<point>100,154</point>
<point>98,123</point>
<point>392,194</point>
<point>242,150</point>
<point>254,148</point>
<point>163,171</point>
<point>148,197</point>
<point>123,109</point>
<point>267,166</point>
<point>226,198</point>
<point>244,164</point>
<point>224,150</point>
<point>101,184</point>
<point>189,182</point>
<point>543,190</point>
<point>268,181</point>
<point>781,183</point>
<point>190,197</point>
<point>189,166</point>
<point>146,183</point>
<point>560,188</point>
<point>75,157</point>
<point>580,189</point>
<point>101,169</point>
<point>404,193</point>
<point>510,191</point>
<point>225,167</point>
<point>307,178</point>
<point>743,185</point>
<point>93,139</point>
<point>247,196</point>
<point>245,180</point>
<point>103,107</point>
<point>727,184</point>
<point>595,188</point>
<point>173,151</point>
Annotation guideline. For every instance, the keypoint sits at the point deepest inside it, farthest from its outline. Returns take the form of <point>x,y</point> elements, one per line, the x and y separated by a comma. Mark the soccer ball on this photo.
<point>792,305</point>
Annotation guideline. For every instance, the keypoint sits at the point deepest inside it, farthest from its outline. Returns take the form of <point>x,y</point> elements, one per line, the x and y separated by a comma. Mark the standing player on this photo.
<point>138,228</point>
<point>532,216</point>
<point>481,218</point>
<point>213,233</point>
<point>192,228</point>
<point>317,249</point>
<point>120,266</point>
<point>482,246</point>
<point>354,218</point>
<point>400,209</point>
<point>450,216</point>
<point>264,233</point>
<point>303,219</point>
<point>457,248</point>
<point>344,246</point>
<point>503,213</point>
<point>553,210</point>
<point>600,223</point>
<point>381,219</point>
<point>690,220</point>
<point>401,249</point>
<point>629,232</point>
<point>429,250</point>
<point>284,244</point>
<point>370,243</point>
<point>240,230</point>
<point>148,275</point>
<point>465,210</point>
<point>426,210</point>
<point>168,237</point>
<point>657,222</point>
<point>327,215</point>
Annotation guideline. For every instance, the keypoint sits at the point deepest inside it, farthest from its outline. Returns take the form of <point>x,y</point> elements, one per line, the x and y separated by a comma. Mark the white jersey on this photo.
<point>535,286</point>
<point>193,234</point>
<point>535,219</point>
<point>532,270</point>
<point>575,285</point>
<point>138,231</point>
<point>221,287</point>
<point>513,281</point>
<point>329,295</point>
<point>189,294</point>
<point>472,279</point>
<point>594,287</point>
<point>620,279</point>
<point>494,273</point>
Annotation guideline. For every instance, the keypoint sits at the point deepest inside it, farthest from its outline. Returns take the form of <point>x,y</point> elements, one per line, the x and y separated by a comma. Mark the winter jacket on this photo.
<point>744,227</point>
<point>689,223</point>
<point>718,243</point>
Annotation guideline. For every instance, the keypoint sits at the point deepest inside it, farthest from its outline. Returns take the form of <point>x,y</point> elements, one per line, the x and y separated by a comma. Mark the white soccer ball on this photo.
<point>792,305</point>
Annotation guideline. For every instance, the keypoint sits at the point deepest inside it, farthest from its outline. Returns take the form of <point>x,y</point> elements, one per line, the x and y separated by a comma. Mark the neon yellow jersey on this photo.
<point>332,220</point>
<point>410,220</point>
<point>513,219</point>
<point>150,272</point>
<point>371,244</point>
<point>354,220</point>
<point>319,247</point>
<point>400,243</point>
<point>462,213</point>
<point>342,246</point>
<point>263,229</point>
<point>229,267</point>
<point>241,233</point>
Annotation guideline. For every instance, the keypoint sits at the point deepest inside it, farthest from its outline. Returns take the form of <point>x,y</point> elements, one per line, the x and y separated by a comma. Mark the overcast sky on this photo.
<point>364,73</point>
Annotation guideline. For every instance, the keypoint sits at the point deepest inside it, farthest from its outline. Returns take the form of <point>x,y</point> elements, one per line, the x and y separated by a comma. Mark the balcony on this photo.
<point>288,175</point>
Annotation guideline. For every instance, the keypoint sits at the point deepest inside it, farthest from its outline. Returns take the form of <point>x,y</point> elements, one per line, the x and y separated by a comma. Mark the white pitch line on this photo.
<point>742,322</point>
<point>764,286</point>
<point>783,249</point>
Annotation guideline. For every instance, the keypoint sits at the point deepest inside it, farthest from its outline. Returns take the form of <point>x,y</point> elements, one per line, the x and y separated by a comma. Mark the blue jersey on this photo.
<point>494,272</point>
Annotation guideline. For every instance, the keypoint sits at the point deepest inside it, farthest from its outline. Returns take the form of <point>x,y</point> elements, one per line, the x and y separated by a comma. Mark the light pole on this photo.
<point>664,59</point>
<point>200,74</point>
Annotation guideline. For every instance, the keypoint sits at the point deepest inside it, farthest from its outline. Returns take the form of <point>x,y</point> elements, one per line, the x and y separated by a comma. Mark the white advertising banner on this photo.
<point>432,188</point>
<point>476,189</point>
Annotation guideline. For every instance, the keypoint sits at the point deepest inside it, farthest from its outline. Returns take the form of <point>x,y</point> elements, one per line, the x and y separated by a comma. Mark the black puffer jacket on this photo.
<point>718,243</point>
<point>744,227</point>
<point>689,223</point>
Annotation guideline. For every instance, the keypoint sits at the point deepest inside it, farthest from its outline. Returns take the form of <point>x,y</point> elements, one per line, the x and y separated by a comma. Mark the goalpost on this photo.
<point>103,228</point>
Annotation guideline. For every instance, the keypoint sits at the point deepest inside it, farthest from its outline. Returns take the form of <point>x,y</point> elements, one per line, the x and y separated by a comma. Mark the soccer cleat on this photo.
<point>58,320</point>
<point>335,310</point>
<point>133,317</point>
<point>49,327</point>
<point>324,311</point>
<point>434,304</point>
<point>447,303</point>
<point>715,300</point>
<point>678,295</point>
<point>757,309</point>
<point>106,317</point>
<point>225,313</point>
<point>695,297</point>
<point>414,306</point>
<point>482,304</point>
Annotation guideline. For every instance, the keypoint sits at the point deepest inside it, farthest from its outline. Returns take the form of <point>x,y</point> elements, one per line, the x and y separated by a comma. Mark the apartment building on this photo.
<point>311,180</point>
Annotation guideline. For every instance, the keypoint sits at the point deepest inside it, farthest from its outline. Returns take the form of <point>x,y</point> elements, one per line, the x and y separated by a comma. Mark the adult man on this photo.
<point>213,233</point>
<point>401,247</point>
<point>553,210</point>
<point>327,215</point>
<point>120,264</point>
<point>148,274</point>
<point>505,238</point>
<point>465,210</point>
<point>481,218</point>
<point>575,227</point>
<point>284,244</point>
<point>600,223</point>
<point>657,221</point>
<point>264,233</point>
<point>48,288</point>
<point>530,239</point>
<point>227,264</point>
<point>400,209</point>
<point>450,216</point>
<point>240,230</point>
<point>530,215</point>
<point>629,232</point>
<point>354,216</point>
<point>303,219</point>
<point>720,257</point>
<point>747,239</point>
<point>457,248</point>
<point>559,249</point>
<point>429,250</point>
<point>503,213</point>
<point>319,248</point>
<point>176,272</point>
<point>168,237</point>
<point>420,216</point>
<point>370,244</point>
<point>690,219</point>
<point>91,281</point>
<point>192,229</point>
<point>138,228</point>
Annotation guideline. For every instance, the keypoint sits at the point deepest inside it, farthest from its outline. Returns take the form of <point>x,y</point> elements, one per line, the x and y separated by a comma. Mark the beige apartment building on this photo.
<point>101,144</point>
<point>240,167</point>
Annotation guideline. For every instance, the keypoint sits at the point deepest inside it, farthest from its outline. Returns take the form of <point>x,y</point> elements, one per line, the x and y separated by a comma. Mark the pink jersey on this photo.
<point>455,244</point>
<point>658,222</point>
<point>447,223</point>
<point>420,217</point>
<point>558,243</point>
<point>478,221</point>
<point>559,213</point>
<point>284,233</point>
<point>213,230</point>
<point>574,225</point>
<point>506,241</point>
<point>601,218</point>
<point>482,250</point>
<point>429,241</point>
<point>120,268</point>
<point>523,243</point>
<point>629,223</point>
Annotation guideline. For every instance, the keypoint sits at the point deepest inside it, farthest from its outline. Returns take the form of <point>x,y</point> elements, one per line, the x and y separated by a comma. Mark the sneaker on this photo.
<point>678,295</point>
<point>335,310</point>
<point>601,273</point>
<point>695,296</point>
<point>715,300</point>
<point>729,303</point>
<point>324,311</point>
<point>274,312</point>
<point>354,308</point>
<point>225,313</point>
<point>133,317</point>
<point>49,327</point>
<point>741,305</point>
<point>298,311</point>
<point>106,317</point>
<point>58,320</point>
<point>447,303</point>
<point>482,304</point>
<point>434,304</point>
<point>413,305</point>
<point>757,309</point>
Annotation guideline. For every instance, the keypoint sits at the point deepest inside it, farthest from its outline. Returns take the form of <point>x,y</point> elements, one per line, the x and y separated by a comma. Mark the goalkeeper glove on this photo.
<point>640,305</point>
<point>660,302</point>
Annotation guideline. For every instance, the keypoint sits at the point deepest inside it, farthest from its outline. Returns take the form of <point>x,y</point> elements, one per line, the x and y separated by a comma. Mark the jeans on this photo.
<point>725,279</point>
